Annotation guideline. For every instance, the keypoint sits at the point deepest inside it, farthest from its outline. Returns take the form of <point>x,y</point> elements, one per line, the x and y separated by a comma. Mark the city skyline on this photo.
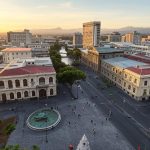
<point>36,14</point>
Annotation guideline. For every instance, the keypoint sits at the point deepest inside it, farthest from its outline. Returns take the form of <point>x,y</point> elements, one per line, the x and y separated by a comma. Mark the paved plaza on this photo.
<point>79,117</point>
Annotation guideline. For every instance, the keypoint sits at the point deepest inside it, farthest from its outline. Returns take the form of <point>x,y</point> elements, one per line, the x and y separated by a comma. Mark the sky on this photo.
<point>68,14</point>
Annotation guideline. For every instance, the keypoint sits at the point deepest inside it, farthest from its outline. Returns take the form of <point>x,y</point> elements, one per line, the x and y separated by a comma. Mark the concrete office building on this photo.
<point>114,37</point>
<point>77,40</point>
<point>91,34</point>
<point>19,38</point>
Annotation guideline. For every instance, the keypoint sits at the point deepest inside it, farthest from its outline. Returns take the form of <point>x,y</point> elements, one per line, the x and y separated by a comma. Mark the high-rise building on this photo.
<point>91,34</point>
<point>133,37</point>
<point>77,40</point>
<point>19,38</point>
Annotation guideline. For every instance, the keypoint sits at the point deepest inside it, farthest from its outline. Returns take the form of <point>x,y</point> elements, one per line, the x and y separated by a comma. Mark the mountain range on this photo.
<point>61,31</point>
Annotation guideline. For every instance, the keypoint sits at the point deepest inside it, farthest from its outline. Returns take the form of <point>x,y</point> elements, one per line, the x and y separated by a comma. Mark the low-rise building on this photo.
<point>26,79</point>
<point>114,37</point>
<point>131,76</point>
<point>12,53</point>
<point>93,57</point>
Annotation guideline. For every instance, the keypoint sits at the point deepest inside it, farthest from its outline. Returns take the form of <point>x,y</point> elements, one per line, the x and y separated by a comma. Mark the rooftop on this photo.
<point>123,63</point>
<point>141,70</point>
<point>108,50</point>
<point>27,70</point>
<point>19,49</point>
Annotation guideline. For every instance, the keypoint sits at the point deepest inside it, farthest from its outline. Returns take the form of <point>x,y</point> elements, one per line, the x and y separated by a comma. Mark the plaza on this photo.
<point>78,117</point>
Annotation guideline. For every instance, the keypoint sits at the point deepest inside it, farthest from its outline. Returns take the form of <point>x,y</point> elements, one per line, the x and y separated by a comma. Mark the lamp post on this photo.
<point>46,140</point>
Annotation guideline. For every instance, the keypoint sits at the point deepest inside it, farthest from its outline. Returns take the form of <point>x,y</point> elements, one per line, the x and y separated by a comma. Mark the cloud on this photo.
<point>65,5</point>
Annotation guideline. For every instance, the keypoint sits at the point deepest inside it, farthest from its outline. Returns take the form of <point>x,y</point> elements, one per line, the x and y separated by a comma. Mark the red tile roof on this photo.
<point>28,70</point>
<point>12,49</point>
<point>140,71</point>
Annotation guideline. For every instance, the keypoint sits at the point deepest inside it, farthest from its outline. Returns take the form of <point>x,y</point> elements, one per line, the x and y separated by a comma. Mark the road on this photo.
<point>126,112</point>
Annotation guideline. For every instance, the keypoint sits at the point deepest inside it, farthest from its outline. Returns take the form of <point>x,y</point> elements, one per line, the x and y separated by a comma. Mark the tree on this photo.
<point>35,147</point>
<point>70,75</point>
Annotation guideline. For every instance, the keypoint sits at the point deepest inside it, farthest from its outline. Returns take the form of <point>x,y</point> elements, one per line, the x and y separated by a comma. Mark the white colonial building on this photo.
<point>10,54</point>
<point>26,80</point>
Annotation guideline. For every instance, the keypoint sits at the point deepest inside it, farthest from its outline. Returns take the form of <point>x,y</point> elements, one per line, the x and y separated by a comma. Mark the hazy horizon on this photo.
<point>70,14</point>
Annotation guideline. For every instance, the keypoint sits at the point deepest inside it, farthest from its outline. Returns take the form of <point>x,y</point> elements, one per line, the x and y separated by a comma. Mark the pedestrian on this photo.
<point>91,121</point>
<point>69,123</point>
<point>79,115</point>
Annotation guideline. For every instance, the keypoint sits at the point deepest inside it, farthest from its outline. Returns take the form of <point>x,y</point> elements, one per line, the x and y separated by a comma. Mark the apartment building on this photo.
<point>91,34</point>
<point>131,76</point>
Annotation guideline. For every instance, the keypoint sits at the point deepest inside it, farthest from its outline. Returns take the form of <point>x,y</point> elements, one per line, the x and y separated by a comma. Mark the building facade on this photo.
<point>27,82</point>
<point>91,34</point>
<point>77,40</point>
<point>19,38</point>
<point>10,54</point>
<point>93,57</point>
<point>114,37</point>
<point>131,76</point>
<point>133,37</point>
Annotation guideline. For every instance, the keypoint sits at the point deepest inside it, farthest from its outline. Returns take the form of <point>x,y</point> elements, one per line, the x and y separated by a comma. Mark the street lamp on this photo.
<point>46,127</point>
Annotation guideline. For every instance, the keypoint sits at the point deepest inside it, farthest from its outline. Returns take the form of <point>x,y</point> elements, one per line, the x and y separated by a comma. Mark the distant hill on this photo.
<point>61,31</point>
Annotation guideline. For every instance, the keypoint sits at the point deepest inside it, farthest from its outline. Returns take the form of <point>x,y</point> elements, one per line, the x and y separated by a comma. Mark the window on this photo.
<point>11,95</point>
<point>42,81</point>
<point>33,93</point>
<point>17,82</point>
<point>2,85</point>
<point>18,95</point>
<point>133,90</point>
<point>113,69</point>
<point>145,83</point>
<point>124,84</point>
<point>130,78</point>
<point>10,84</point>
<point>125,75</point>
<point>26,94</point>
<point>129,87</point>
<point>144,92</point>
<point>50,80</point>
<point>25,82</point>
<point>135,80</point>
<point>51,92</point>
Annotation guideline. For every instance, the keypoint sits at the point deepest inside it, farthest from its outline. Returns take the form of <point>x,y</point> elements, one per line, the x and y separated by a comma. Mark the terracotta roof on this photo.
<point>28,70</point>
<point>139,70</point>
<point>12,49</point>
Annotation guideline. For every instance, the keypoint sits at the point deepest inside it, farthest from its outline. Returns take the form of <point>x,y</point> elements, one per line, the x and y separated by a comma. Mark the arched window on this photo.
<point>26,94</point>
<point>4,98</point>
<point>11,95</point>
<point>10,84</point>
<point>18,94</point>
<point>25,82</point>
<point>17,82</point>
<point>2,85</point>
<point>51,92</point>
<point>41,81</point>
<point>33,93</point>
<point>50,80</point>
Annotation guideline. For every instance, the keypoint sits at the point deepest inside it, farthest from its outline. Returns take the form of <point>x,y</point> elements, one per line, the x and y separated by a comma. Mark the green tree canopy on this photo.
<point>70,75</point>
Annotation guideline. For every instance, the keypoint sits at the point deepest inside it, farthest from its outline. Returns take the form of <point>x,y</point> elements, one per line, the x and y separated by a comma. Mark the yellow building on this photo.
<point>131,76</point>
<point>92,57</point>
<point>91,34</point>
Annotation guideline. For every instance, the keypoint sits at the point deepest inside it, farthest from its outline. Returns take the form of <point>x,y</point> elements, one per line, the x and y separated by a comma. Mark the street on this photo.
<point>128,115</point>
